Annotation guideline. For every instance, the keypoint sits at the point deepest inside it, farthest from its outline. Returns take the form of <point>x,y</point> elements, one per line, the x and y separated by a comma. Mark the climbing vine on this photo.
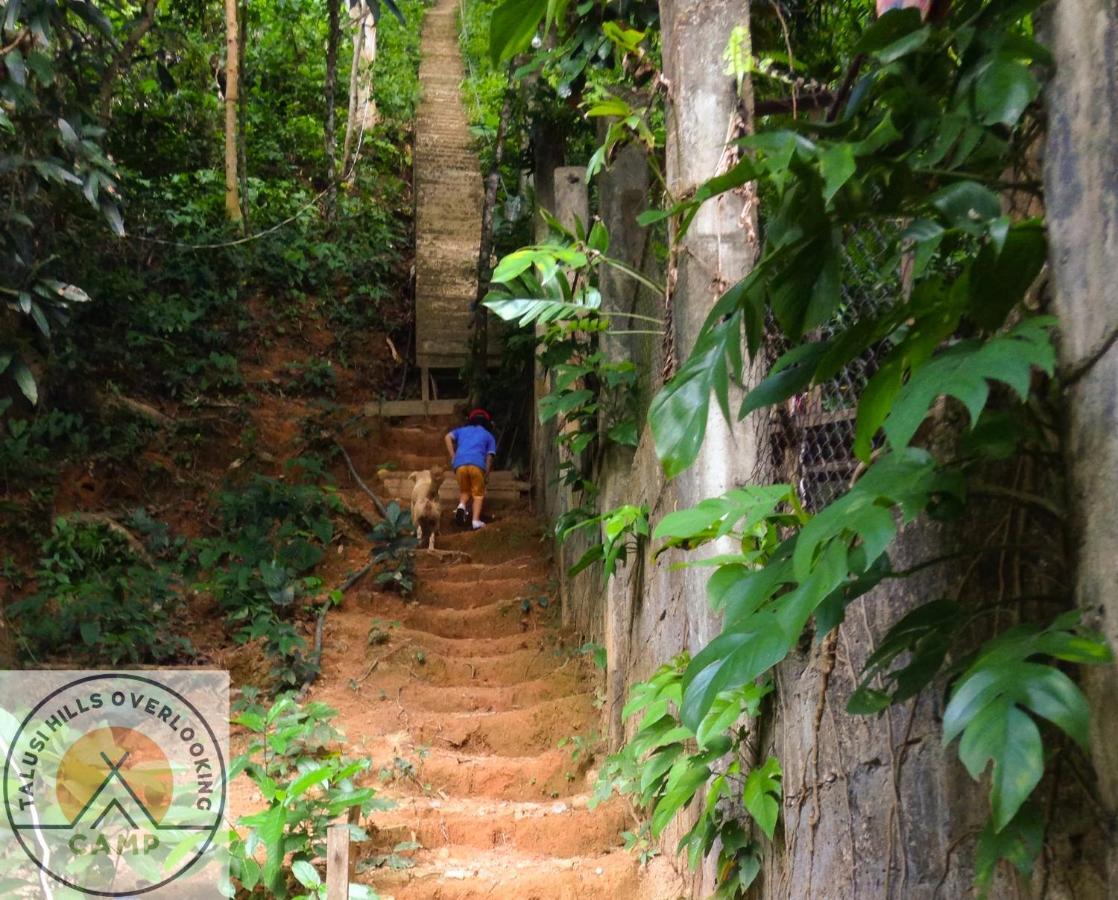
<point>929,132</point>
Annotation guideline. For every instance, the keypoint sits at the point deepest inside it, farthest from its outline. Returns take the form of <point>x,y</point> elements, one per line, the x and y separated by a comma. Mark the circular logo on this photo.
<point>115,784</point>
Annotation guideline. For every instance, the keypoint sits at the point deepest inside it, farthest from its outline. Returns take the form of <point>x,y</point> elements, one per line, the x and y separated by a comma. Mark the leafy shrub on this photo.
<point>272,535</point>
<point>394,543</point>
<point>312,377</point>
<point>25,444</point>
<point>294,761</point>
<point>98,599</point>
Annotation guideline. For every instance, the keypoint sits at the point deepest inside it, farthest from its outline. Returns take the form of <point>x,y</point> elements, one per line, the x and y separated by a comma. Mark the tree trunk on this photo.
<point>121,58</point>
<point>232,92</point>
<point>333,38</point>
<point>357,16</point>
<point>362,108</point>
<point>242,115</point>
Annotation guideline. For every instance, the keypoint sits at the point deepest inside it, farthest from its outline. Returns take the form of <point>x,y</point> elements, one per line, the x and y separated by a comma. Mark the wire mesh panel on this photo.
<point>812,436</point>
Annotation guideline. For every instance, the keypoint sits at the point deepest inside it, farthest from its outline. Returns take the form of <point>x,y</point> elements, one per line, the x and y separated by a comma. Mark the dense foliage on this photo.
<point>921,132</point>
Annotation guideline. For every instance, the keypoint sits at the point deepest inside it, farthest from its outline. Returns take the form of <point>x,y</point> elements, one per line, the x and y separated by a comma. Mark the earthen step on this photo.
<point>451,663</point>
<point>537,642</point>
<point>440,592</point>
<point>437,576</point>
<point>561,828</point>
<point>501,875</point>
<point>518,732</point>
<point>451,773</point>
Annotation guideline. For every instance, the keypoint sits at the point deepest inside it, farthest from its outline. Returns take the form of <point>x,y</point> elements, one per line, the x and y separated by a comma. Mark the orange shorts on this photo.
<point>471,480</point>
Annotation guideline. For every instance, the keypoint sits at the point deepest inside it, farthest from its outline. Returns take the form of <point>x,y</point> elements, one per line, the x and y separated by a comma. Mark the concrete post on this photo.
<point>571,202</point>
<point>1081,190</point>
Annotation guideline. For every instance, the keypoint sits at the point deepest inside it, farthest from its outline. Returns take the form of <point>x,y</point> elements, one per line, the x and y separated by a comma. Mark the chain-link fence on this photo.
<point>810,438</point>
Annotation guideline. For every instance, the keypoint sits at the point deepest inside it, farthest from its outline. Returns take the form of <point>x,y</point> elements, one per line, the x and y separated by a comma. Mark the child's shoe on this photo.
<point>478,524</point>
<point>461,517</point>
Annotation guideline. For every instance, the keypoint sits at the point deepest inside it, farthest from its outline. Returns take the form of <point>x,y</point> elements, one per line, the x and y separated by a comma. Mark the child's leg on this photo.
<point>463,477</point>
<point>477,488</point>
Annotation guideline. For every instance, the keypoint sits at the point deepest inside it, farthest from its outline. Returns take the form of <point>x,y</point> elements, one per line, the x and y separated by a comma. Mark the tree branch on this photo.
<point>122,56</point>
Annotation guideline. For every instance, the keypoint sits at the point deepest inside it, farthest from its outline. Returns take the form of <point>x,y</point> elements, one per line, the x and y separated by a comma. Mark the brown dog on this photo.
<point>425,508</point>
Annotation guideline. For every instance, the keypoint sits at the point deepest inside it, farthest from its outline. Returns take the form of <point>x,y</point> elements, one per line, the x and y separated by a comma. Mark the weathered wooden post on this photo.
<point>337,861</point>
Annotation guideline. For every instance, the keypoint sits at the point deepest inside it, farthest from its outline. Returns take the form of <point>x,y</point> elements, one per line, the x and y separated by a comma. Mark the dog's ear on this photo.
<point>413,476</point>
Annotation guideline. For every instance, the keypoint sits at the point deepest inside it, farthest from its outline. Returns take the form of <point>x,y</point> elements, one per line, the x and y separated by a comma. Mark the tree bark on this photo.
<point>333,38</point>
<point>232,92</point>
<point>122,56</point>
<point>362,108</point>
<point>357,21</point>
<point>242,115</point>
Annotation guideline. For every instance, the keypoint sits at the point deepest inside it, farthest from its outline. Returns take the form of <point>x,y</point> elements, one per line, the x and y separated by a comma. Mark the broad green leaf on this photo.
<point>678,414</point>
<point>732,659</point>
<point>528,310</point>
<point>762,795</point>
<point>269,825</point>
<point>967,204</point>
<point>512,27</point>
<point>1001,275</point>
<point>306,874</point>
<point>685,779</point>
<point>1020,842</point>
<point>836,165</point>
<point>309,779</point>
<point>1003,91</point>
<point>897,479</point>
<point>963,372</point>
<point>24,380</point>
<point>893,35</point>
<point>1007,736</point>
<point>789,375</point>
<point>925,634</point>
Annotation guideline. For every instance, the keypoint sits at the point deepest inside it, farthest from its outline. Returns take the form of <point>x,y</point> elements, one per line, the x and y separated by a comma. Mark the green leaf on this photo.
<point>893,35</point>
<point>903,478</point>
<point>963,372</point>
<point>309,779</point>
<point>269,825</point>
<point>678,414</point>
<point>1004,734</point>
<point>526,310</point>
<point>762,795</point>
<point>512,27</point>
<point>967,204</point>
<point>24,380</point>
<point>1019,842</point>
<point>925,634</point>
<point>789,375</point>
<point>306,874</point>
<point>836,165</point>
<point>732,659</point>
<point>1003,91</point>
<point>685,779</point>
<point>1001,275</point>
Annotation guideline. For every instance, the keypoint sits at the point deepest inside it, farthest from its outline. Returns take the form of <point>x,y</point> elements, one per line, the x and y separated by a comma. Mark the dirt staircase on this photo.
<point>462,697</point>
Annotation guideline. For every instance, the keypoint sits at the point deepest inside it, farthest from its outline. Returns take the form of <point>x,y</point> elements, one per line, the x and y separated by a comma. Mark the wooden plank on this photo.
<point>337,862</point>
<point>402,408</point>
<point>400,486</point>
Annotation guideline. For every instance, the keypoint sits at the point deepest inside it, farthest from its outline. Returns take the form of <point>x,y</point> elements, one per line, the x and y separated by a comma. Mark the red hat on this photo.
<point>474,413</point>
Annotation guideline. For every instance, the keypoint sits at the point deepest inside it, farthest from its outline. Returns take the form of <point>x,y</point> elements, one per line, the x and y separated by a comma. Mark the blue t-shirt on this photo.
<point>472,444</point>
